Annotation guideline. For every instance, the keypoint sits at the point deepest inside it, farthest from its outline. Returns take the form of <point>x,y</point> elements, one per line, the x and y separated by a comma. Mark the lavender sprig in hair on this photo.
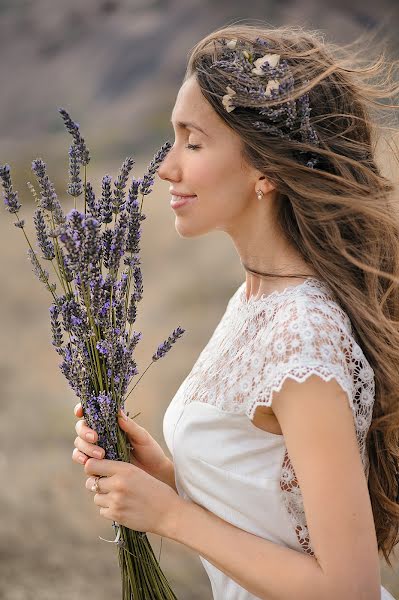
<point>95,253</point>
<point>255,80</point>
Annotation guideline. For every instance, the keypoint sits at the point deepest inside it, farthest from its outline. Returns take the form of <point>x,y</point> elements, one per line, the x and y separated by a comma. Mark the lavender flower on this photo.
<point>75,185</point>
<point>135,217</point>
<point>73,129</point>
<point>120,184</point>
<point>91,321</point>
<point>106,200</point>
<point>40,273</point>
<point>138,281</point>
<point>106,246</point>
<point>56,326</point>
<point>118,243</point>
<point>45,244</point>
<point>49,196</point>
<point>91,246</point>
<point>166,346</point>
<point>92,205</point>
<point>11,201</point>
<point>288,120</point>
<point>132,310</point>
<point>153,167</point>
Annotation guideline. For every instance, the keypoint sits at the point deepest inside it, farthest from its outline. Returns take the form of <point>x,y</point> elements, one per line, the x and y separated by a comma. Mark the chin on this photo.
<point>189,230</point>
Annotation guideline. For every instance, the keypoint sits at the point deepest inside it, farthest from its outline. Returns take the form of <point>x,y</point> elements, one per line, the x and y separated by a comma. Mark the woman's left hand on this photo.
<point>132,497</point>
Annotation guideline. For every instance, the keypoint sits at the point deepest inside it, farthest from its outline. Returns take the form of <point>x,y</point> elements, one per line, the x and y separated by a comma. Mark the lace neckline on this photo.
<point>276,294</point>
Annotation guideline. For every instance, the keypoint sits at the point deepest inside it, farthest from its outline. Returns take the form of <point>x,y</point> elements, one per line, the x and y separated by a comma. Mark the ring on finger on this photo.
<point>95,486</point>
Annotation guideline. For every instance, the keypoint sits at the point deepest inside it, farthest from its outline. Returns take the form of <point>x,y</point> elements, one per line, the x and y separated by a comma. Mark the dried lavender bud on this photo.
<point>118,243</point>
<point>133,236</point>
<point>65,265</point>
<point>72,257</point>
<point>20,224</point>
<point>97,293</point>
<point>133,192</point>
<point>92,205</point>
<point>49,199</point>
<point>56,326</point>
<point>73,129</point>
<point>11,201</point>
<point>74,318</point>
<point>75,185</point>
<point>138,284</point>
<point>106,246</point>
<point>148,180</point>
<point>45,244</point>
<point>92,243</point>
<point>119,307</point>
<point>37,268</point>
<point>58,213</point>
<point>100,415</point>
<point>132,310</point>
<point>166,346</point>
<point>106,200</point>
<point>120,184</point>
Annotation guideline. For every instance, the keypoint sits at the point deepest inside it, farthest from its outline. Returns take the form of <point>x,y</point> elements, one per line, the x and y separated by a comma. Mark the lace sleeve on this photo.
<point>301,340</point>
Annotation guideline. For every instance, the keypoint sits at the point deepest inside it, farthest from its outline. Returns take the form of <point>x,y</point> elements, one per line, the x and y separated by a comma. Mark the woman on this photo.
<point>284,436</point>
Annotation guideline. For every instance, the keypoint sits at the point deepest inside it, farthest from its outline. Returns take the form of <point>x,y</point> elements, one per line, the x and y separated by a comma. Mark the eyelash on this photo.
<point>193,146</point>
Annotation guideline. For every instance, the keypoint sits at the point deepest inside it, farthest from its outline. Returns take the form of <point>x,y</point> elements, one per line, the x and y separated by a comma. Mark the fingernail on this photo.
<point>90,437</point>
<point>124,415</point>
<point>97,453</point>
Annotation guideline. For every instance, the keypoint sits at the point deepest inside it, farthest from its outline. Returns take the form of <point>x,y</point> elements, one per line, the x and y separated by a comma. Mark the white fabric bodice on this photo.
<point>222,460</point>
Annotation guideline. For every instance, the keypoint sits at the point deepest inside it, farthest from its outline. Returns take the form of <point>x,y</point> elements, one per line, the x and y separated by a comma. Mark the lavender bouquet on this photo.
<point>93,310</point>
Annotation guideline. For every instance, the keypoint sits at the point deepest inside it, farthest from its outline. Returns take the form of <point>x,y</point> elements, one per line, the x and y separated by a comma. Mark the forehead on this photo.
<point>191,105</point>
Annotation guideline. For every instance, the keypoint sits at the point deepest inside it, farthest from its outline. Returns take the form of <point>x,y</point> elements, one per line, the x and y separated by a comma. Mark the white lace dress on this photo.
<point>222,460</point>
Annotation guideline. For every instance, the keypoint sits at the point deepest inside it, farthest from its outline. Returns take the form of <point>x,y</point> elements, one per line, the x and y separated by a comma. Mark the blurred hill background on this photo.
<point>116,66</point>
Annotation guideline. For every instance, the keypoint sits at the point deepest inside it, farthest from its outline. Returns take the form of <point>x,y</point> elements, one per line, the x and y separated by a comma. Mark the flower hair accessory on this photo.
<point>258,75</point>
<point>226,100</point>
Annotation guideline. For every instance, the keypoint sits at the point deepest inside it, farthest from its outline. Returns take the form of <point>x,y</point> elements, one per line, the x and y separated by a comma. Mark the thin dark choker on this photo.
<point>274,274</point>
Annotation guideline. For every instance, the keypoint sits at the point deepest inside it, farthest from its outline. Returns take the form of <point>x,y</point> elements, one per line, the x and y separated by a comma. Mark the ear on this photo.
<point>265,184</point>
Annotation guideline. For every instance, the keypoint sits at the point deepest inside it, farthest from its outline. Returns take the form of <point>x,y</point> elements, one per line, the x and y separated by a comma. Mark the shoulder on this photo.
<point>322,393</point>
<point>307,336</point>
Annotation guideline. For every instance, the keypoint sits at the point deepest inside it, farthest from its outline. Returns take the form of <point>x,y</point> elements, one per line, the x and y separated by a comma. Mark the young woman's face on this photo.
<point>213,170</point>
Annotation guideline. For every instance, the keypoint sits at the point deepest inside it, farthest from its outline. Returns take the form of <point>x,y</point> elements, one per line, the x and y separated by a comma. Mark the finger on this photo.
<point>103,483</point>
<point>89,449</point>
<point>138,434</point>
<point>101,500</point>
<point>105,467</point>
<point>78,457</point>
<point>78,410</point>
<point>85,432</point>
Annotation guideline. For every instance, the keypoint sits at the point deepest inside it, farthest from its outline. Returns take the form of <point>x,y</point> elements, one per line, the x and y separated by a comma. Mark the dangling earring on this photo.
<point>260,194</point>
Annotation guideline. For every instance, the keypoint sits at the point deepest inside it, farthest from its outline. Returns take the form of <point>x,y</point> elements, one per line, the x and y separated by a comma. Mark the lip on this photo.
<point>173,193</point>
<point>183,200</point>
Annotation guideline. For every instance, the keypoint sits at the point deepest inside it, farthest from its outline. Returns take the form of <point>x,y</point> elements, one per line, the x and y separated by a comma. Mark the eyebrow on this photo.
<point>189,125</point>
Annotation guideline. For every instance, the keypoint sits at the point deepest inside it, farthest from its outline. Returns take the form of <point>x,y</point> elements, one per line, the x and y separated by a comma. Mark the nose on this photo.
<point>169,169</point>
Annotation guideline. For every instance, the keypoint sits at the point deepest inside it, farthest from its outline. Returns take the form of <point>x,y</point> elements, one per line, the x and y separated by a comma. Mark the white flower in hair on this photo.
<point>272,84</point>
<point>232,44</point>
<point>226,100</point>
<point>272,59</point>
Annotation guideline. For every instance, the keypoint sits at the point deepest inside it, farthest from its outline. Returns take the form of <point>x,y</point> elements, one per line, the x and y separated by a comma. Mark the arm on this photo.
<point>167,474</point>
<point>337,505</point>
<point>265,569</point>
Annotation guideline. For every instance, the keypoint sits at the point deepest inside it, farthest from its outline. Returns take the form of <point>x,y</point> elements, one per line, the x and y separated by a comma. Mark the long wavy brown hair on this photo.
<point>342,215</point>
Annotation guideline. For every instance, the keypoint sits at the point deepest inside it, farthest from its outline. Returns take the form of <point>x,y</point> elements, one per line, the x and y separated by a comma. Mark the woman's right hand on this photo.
<point>147,454</point>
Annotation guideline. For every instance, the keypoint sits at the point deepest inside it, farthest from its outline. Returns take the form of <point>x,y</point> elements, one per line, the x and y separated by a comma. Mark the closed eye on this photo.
<point>193,146</point>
